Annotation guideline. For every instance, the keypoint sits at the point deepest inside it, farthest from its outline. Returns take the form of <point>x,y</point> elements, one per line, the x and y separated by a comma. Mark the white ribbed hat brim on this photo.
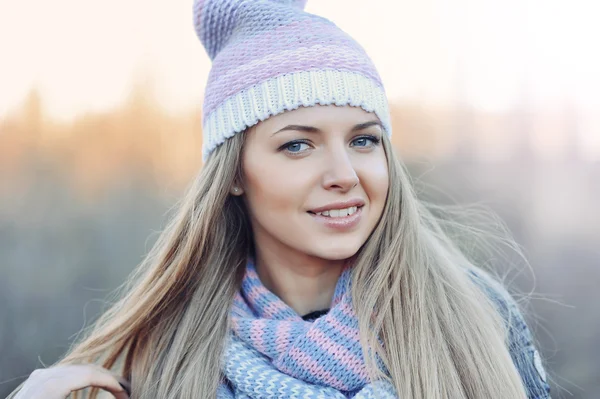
<point>288,92</point>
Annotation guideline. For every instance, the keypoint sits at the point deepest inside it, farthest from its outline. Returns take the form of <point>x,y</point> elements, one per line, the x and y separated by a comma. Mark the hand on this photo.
<point>59,381</point>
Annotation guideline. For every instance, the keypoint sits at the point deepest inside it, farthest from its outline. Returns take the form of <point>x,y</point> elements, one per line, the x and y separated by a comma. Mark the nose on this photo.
<point>340,172</point>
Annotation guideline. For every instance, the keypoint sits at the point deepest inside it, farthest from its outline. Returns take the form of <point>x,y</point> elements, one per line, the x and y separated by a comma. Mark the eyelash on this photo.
<point>374,139</point>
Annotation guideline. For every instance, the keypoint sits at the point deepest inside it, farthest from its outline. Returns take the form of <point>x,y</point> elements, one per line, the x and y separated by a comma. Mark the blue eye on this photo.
<point>295,145</point>
<point>374,141</point>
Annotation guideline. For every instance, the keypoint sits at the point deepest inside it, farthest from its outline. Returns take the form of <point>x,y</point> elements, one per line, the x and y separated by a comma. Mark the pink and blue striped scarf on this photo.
<point>272,352</point>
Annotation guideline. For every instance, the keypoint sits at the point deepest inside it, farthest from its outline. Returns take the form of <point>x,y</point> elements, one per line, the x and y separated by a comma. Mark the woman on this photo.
<point>300,263</point>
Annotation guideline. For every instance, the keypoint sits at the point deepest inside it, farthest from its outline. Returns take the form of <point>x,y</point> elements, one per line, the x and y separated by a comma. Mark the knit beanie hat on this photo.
<point>269,56</point>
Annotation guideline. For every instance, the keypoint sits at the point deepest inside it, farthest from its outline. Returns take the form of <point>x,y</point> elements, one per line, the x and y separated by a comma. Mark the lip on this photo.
<point>339,205</point>
<point>339,223</point>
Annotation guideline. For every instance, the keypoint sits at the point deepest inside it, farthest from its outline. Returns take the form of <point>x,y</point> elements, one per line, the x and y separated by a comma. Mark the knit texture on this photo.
<point>273,352</point>
<point>269,56</point>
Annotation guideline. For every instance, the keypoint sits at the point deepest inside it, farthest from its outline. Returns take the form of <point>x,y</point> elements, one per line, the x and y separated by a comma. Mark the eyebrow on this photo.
<point>312,129</point>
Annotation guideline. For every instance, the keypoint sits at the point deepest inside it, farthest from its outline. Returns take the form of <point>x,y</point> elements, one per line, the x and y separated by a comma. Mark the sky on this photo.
<point>494,55</point>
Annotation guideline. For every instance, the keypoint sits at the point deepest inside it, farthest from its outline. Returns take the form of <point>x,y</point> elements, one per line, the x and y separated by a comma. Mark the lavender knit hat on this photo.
<point>269,56</point>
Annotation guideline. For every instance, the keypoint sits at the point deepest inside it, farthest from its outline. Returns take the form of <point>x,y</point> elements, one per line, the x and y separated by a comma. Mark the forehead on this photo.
<point>320,116</point>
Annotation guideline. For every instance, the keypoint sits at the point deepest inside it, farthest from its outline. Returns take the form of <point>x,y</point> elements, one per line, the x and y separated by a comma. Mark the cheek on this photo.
<point>273,189</point>
<point>276,200</point>
<point>375,181</point>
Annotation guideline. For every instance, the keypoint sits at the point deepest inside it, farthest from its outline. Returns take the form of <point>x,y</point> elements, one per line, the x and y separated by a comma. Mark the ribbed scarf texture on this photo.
<point>272,352</point>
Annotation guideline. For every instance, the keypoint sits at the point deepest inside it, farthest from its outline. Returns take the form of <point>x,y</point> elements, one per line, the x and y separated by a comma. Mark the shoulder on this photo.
<point>520,340</point>
<point>494,290</point>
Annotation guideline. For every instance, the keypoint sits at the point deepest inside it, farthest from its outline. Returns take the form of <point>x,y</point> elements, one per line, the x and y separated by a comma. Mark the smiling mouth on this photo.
<point>338,213</point>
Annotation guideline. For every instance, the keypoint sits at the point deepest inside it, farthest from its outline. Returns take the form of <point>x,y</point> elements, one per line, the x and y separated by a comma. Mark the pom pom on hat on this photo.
<point>270,56</point>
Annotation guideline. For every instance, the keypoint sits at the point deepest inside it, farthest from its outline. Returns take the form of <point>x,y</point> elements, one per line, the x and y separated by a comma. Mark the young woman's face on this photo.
<point>313,159</point>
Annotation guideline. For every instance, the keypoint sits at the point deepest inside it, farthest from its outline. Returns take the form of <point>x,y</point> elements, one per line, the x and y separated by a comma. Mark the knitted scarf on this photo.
<point>272,352</point>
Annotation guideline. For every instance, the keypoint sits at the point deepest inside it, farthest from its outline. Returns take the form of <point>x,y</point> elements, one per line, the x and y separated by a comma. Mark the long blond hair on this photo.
<point>165,332</point>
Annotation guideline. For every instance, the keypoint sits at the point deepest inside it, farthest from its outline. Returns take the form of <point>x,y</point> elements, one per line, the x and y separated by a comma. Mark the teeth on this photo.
<point>338,213</point>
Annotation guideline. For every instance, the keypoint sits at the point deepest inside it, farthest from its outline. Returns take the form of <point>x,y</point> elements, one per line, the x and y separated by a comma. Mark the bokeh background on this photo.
<point>493,102</point>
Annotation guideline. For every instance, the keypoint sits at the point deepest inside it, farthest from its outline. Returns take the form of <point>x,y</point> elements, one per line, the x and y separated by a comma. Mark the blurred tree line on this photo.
<point>81,202</point>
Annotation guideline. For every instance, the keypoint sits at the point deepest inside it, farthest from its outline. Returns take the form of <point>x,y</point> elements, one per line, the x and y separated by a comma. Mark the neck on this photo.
<point>305,284</point>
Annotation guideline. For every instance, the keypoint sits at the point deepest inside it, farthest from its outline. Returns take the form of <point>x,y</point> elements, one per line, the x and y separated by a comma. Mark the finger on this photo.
<point>107,383</point>
<point>96,376</point>
<point>60,381</point>
<point>113,383</point>
<point>126,386</point>
<point>121,395</point>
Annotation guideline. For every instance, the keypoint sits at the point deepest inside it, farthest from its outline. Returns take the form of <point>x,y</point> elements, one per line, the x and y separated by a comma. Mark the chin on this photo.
<point>337,253</point>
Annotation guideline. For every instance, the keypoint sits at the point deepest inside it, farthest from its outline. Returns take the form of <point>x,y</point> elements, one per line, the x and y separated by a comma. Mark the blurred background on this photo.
<point>493,102</point>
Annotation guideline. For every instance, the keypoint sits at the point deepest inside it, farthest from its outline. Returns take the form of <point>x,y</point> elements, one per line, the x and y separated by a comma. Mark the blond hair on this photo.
<point>442,337</point>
